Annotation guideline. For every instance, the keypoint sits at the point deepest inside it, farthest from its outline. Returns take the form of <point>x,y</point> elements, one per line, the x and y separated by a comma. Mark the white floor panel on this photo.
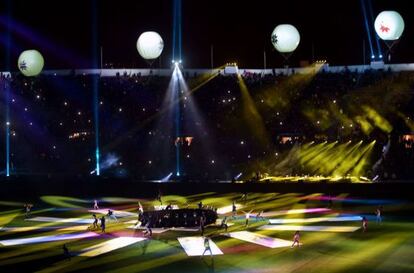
<point>194,246</point>
<point>110,245</point>
<point>50,238</point>
<point>259,239</point>
<point>62,220</point>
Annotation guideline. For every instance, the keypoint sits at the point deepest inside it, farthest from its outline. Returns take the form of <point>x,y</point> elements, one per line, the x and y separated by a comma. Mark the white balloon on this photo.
<point>150,45</point>
<point>285,38</point>
<point>389,25</point>
<point>30,63</point>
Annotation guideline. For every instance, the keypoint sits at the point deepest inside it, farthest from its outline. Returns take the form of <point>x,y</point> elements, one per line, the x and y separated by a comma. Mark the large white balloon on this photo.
<point>150,45</point>
<point>30,62</point>
<point>285,38</point>
<point>389,25</point>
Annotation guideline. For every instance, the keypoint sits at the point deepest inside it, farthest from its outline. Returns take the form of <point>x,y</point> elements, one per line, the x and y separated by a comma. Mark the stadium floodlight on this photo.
<point>176,62</point>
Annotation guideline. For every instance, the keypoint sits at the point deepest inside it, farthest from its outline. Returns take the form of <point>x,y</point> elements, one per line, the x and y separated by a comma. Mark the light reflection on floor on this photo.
<point>229,208</point>
<point>117,213</point>
<point>50,238</point>
<point>110,245</point>
<point>310,228</point>
<point>36,228</point>
<point>295,211</point>
<point>194,246</point>
<point>61,220</point>
<point>259,239</point>
<point>316,220</point>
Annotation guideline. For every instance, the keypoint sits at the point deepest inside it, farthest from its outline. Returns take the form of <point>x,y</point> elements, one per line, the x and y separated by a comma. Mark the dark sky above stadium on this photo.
<point>239,30</point>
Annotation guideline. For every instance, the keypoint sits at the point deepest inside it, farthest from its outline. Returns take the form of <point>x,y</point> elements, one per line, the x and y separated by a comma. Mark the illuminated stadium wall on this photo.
<point>167,72</point>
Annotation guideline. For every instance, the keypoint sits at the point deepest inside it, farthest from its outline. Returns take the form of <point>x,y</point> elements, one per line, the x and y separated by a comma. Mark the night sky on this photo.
<point>239,30</point>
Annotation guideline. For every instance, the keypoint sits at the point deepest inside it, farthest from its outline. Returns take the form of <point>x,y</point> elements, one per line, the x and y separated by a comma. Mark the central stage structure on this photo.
<point>168,218</point>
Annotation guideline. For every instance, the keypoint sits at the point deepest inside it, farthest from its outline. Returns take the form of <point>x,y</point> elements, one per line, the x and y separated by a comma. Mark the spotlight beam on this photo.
<point>36,39</point>
<point>7,86</point>
<point>364,11</point>
<point>177,111</point>
<point>121,138</point>
<point>95,83</point>
<point>252,115</point>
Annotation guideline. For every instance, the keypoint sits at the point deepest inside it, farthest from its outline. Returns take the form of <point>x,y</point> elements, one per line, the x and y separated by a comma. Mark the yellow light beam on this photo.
<point>252,116</point>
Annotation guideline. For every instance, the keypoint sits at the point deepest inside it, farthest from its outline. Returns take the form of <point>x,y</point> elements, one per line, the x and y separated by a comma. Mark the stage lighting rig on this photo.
<point>176,63</point>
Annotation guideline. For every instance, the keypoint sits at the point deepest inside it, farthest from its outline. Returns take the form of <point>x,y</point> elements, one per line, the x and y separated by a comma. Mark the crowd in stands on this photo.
<point>52,122</point>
